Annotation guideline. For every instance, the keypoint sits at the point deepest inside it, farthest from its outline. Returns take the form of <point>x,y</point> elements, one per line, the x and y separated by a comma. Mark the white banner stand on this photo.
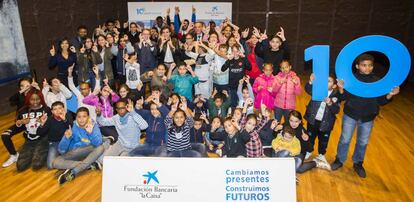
<point>198,179</point>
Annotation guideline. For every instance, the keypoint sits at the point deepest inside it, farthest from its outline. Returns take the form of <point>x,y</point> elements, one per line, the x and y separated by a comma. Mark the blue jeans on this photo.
<point>184,153</point>
<point>148,150</point>
<point>52,154</point>
<point>363,133</point>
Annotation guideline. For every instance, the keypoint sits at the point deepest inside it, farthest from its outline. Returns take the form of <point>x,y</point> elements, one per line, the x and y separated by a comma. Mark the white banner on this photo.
<point>144,13</point>
<point>198,179</point>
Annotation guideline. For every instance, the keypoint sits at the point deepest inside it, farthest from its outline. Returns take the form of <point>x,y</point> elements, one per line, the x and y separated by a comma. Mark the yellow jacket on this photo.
<point>292,146</point>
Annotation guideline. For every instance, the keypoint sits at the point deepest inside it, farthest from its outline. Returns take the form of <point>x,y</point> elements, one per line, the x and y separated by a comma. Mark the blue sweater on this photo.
<point>128,127</point>
<point>156,131</point>
<point>183,85</point>
<point>80,138</point>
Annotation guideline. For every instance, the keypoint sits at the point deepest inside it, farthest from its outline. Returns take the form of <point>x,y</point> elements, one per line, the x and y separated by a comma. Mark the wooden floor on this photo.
<point>389,164</point>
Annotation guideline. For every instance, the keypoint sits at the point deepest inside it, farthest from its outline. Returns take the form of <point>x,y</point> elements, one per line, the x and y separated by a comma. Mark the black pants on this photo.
<point>323,137</point>
<point>7,135</point>
<point>109,131</point>
<point>33,153</point>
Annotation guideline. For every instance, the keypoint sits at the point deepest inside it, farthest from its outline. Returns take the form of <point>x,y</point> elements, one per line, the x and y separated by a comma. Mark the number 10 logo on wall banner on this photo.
<point>397,53</point>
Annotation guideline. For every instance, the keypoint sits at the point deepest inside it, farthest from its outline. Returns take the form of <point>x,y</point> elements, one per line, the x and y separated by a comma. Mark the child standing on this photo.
<point>263,87</point>
<point>133,77</point>
<point>203,57</point>
<point>236,64</point>
<point>321,116</point>
<point>183,83</point>
<point>244,93</point>
<point>286,87</point>
<point>359,112</point>
<point>220,79</point>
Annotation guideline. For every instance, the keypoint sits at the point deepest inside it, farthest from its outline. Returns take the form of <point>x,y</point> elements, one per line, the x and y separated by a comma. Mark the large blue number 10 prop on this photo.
<point>397,53</point>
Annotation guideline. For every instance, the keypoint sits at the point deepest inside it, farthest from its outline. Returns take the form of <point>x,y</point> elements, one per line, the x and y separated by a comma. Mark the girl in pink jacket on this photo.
<point>104,102</point>
<point>263,87</point>
<point>286,87</point>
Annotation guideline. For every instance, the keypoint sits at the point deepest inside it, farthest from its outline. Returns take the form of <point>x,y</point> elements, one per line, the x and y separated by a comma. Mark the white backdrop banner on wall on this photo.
<point>144,13</point>
<point>198,179</point>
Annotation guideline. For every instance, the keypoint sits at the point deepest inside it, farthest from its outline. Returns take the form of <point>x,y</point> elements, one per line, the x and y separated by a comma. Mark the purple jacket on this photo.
<point>105,105</point>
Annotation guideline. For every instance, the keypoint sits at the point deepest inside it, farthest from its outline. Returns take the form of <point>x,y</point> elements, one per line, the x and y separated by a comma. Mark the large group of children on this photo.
<point>191,89</point>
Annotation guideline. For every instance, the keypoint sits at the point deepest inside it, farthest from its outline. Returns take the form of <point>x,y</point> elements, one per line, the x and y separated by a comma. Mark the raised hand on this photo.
<point>225,93</point>
<point>140,103</point>
<point>42,120</point>
<point>245,33</point>
<point>52,51</point>
<point>82,50</point>
<point>311,78</point>
<point>130,106</point>
<point>70,69</point>
<point>68,132</point>
<point>281,34</point>
<point>395,91</point>
<point>95,49</point>
<point>305,136</point>
<point>45,83</point>
<point>89,127</point>
<point>95,70</point>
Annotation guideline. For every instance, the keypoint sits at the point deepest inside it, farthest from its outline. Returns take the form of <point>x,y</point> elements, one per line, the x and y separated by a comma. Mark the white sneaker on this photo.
<point>308,155</point>
<point>219,152</point>
<point>321,164</point>
<point>321,157</point>
<point>11,160</point>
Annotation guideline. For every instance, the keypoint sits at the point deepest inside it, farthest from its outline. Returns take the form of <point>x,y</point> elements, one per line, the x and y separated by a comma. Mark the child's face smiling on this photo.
<point>285,67</point>
<point>216,123</point>
<point>250,125</point>
<point>229,127</point>
<point>179,118</point>
<point>365,67</point>
<point>34,101</point>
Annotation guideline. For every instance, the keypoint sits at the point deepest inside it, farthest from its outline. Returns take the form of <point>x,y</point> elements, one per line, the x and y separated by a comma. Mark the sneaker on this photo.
<point>66,176</point>
<point>12,159</point>
<point>322,164</point>
<point>219,152</point>
<point>308,155</point>
<point>359,169</point>
<point>110,138</point>
<point>336,164</point>
<point>95,166</point>
<point>59,172</point>
<point>321,157</point>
